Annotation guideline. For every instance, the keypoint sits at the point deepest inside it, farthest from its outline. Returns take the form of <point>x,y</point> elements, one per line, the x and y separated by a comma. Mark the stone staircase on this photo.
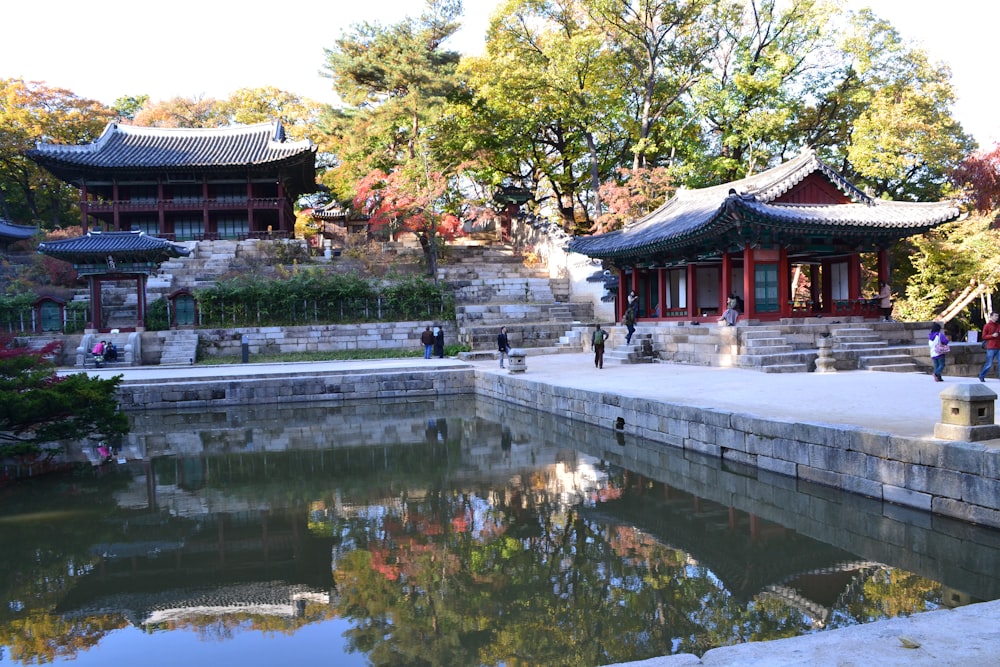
<point>493,288</point>
<point>639,351</point>
<point>180,348</point>
<point>869,351</point>
<point>768,350</point>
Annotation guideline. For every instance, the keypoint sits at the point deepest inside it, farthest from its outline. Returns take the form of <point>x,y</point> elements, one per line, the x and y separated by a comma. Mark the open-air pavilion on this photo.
<point>788,241</point>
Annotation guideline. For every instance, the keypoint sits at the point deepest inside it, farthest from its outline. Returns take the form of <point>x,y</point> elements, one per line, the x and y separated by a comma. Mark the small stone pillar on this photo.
<point>968,413</point>
<point>515,360</point>
<point>825,363</point>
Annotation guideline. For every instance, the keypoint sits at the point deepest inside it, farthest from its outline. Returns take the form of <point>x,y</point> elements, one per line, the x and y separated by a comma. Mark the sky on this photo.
<point>103,50</point>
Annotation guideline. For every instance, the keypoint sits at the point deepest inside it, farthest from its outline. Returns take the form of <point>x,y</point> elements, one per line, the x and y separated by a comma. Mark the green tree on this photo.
<point>128,106</point>
<point>395,80</point>
<point>39,409</point>
<point>31,112</point>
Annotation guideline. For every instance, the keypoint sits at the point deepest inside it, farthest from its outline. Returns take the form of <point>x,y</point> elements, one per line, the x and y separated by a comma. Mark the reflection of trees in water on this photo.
<point>428,569</point>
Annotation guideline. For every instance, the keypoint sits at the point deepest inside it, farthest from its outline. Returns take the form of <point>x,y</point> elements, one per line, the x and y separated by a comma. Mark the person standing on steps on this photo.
<point>598,341</point>
<point>630,324</point>
<point>503,345</point>
<point>937,341</point>
<point>885,301</point>
<point>427,339</point>
<point>991,340</point>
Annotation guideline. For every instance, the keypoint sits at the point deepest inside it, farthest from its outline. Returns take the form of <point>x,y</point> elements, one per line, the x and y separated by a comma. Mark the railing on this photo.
<point>193,204</point>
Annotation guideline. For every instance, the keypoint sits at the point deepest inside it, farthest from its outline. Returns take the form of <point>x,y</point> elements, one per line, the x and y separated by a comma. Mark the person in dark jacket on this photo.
<point>427,339</point>
<point>503,345</point>
<point>439,342</point>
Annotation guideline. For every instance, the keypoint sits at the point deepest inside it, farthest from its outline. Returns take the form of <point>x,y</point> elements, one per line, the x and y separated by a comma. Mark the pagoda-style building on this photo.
<point>111,257</point>
<point>186,184</point>
<point>751,236</point>
<point>11,233</point>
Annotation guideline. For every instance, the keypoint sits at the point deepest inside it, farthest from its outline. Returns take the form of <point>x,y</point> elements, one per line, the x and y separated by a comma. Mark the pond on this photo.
<point>457,532</point>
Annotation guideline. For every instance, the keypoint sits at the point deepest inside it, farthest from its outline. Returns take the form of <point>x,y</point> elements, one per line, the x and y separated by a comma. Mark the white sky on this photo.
<point>103,50</point>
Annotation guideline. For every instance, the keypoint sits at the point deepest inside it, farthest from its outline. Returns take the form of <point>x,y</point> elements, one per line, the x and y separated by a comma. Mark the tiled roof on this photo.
<point>132,147</point>
<point>11,232</point>
<point>696,215</point>
<point>98,245</point>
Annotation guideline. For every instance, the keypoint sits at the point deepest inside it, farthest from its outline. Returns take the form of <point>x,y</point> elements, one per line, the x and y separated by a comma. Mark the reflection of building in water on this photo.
<point>817,593</point>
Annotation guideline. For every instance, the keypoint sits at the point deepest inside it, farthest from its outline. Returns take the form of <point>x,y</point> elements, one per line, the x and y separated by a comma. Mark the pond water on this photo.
<point>458,532</point>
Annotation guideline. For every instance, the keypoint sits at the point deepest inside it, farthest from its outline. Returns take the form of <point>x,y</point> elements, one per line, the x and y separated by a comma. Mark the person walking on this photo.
<point>629,324</point>
<point>885,301</point>
<point>439,342</point>
<point>598,341</point>
<point>937,341</point>
<point>427,339</point>
<point>991,340</point>
<point>503,345</point>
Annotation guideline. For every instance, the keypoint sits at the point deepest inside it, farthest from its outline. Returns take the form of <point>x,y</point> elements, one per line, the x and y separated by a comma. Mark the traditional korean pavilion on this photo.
<point>183,184</point>
<point>102,257</point>
<point>751,236</point>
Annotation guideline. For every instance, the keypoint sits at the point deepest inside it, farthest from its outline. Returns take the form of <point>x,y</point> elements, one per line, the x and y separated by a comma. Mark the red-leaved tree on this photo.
<point>636,193</point>
<point>405,201</point>
<point>979,178</point>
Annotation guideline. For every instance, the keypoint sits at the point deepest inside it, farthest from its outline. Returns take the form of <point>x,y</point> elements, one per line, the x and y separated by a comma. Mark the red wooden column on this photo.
<point>84,207</point>
<point>854,277</point>
<point>116,224</point>
<point>692,291</point>
<point>661,292</point>
<point>784,283</point>
<point>815,294</point>
<point>95,302</point>
<point>161,215</point>
<point>749,297</point>
<point>206,227</point>
<point>140,285</point>
<point>726,282</point>
<point>250,220</point>
<point>622,296</point>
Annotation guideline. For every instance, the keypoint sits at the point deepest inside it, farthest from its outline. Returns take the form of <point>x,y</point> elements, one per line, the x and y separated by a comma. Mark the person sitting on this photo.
<point>731,313</point>
<point>98,352</point>
<point>110,351</point>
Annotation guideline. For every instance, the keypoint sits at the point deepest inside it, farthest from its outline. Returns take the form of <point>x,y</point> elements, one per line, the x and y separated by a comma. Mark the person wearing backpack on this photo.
<point>598,341</point>
<point>937,341</point>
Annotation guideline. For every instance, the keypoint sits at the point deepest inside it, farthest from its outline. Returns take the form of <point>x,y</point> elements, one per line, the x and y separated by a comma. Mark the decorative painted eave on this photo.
<point>125,246</point>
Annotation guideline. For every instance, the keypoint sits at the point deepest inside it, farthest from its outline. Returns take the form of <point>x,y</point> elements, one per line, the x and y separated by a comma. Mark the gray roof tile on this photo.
<point>133,147</point>
<point>97,245</point>
<point>708,212</point>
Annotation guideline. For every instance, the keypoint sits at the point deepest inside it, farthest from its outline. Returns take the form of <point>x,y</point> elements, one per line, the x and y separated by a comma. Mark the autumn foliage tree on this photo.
<point>405,200</point>
<point>635,193</point>
<point>979,178</point>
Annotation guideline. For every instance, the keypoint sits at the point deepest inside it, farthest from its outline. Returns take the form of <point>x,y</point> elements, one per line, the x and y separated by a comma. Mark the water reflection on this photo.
<point>456,532</point>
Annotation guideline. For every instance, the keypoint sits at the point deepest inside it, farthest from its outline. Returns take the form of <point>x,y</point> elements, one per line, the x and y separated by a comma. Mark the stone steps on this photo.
<point>180,348</point>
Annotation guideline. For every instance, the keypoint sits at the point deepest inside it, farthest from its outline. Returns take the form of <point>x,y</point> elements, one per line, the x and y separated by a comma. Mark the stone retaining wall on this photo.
<point>955,479</point>
<point>296,388</point>
<point>321,337</point>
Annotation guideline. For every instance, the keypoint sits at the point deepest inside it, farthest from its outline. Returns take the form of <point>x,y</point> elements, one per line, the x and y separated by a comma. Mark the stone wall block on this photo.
<point>964,456</point>
<point>981,491</point>
<point>935,481</point>
<point>776,465</point>
<point>862,486</point>
<point>819,476</point>
<point>707,449</point>
<point>886,471</point>
<point>901,496</point>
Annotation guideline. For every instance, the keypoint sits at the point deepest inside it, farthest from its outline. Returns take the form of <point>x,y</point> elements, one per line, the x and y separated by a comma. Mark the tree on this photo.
<point>39,409</point>
<point>181,112</point>
<point>639,192</point>
<point>979,178</point>
<point>31,112</point>
<point>128,106</point>
<point>396,78</point>
<point>408,201</point>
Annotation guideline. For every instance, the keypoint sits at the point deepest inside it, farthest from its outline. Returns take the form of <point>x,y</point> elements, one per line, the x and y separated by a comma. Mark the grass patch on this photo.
<point>333,355</point>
